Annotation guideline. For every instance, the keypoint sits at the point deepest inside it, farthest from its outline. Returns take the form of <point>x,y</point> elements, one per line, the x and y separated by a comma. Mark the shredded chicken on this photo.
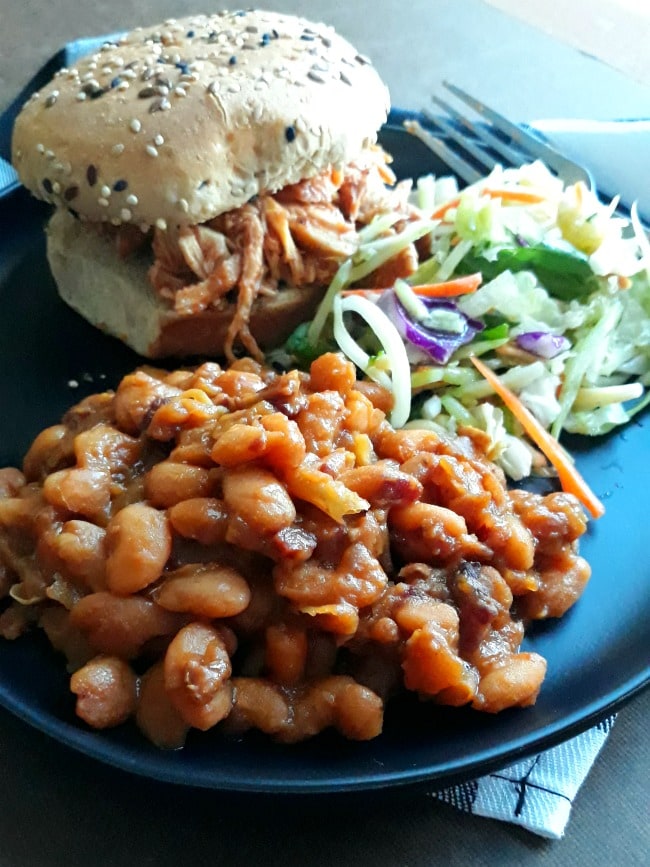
<point>298,236</point>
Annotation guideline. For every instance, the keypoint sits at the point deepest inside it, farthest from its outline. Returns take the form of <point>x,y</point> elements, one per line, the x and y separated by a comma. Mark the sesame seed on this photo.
<point>184,205</point>
<point>40,148</point>
<point>151,150</point>
<point>147,74</point>
<point>115,221</point>
<point>135,125</point>
<point>233,60</point>
<point>234,87</point>
<point>190,34</point>
<point>81,96</point>
<point>89,76</point>
<point>158,140</point>
<point>132,200</point>
<point>180,91</point>
<point>115,82</point>
<point>49,155</point>
<point>117,149</point>
<point>161,224</point>
<point>161,104</point>
<point>162,90</point>
<point>71,193</point>
<point>129,73</point>
<point>344,78</point>
<point>105,191</point>
<point>72,383</point>
<point>125,214</point>
<point>56,187</point>
<point>123,85</point>
<point>362,59</point>
<point>91,175</point>
<point>47,185</point>
<point>49,102</point>
<point>120,186</point>
<point>315,76</point>
<point>102,201</point>
<point>146,93</point>
<point>290,133</point>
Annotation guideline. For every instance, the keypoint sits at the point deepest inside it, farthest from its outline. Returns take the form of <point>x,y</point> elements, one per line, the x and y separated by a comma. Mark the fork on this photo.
<point>472,148</point>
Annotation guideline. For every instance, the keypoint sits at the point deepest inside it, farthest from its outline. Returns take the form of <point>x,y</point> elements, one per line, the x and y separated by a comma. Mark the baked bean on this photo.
<point>197,675</point>
<point>51,450</point>
<point>121,625</point>
<point>106,690</point>
<point>332,372</point>
<point>257,497</point>
<point>515,683</point>
<point>286,654</point>
<point>168,483</point>
<point>358,579</point>
<point>202,518</point>
<point>257,704</point>
<point>138,544</point>
<point>11,481</point>
<point>80,491</point>
<point>137,397</point>
<point>194,517</point>
<point>205,589</point>
<point>156,716</point>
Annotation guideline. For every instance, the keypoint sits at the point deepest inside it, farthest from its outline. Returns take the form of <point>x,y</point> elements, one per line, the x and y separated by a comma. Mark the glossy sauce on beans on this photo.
<point>254,549</point>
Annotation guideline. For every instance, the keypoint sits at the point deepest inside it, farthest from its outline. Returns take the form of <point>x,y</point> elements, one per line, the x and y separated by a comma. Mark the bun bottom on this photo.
<point>115,295</point>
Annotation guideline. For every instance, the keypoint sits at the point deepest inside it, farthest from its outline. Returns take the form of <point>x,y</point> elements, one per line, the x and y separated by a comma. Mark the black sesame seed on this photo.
<point>131,65</point>
<point>146,92</point>
<point>91,175</point>
<point>47,185</point>
<point>190,34</point>
<point>184,68</point>
<point>307,37</point>
<point>275,34</point>
<point>147,74</point>
<point>315,76</point>
<point>212,36</point>
<point>49,102</point>
<point>362,59</point>
<point>266,38</point>
<point>290,133</point>
<point>116,81</point>
<point>73,213</point>
<point>233,60</point>
<point>344,78</point>
<point>164,82</point>
<point>120,186</point>
<point>71,193</point>
<point>157,105</point>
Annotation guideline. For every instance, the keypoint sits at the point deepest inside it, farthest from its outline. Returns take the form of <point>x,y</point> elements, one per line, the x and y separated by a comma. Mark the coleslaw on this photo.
<point>545,284</point>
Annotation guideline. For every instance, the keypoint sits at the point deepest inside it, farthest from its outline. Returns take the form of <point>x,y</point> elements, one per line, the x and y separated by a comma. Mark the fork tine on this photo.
<point>450,158</point>
<point>524,140</point>
<point>468,144</point>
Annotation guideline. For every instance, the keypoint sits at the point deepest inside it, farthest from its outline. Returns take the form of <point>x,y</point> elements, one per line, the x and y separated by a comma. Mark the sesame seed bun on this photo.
<point>178,123</point>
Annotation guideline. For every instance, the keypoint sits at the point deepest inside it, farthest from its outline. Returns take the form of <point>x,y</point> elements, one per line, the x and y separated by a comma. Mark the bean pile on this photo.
<point>263,550</point>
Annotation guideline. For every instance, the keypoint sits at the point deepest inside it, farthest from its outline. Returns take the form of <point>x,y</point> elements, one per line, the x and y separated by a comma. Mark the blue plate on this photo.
<point>597,654</point>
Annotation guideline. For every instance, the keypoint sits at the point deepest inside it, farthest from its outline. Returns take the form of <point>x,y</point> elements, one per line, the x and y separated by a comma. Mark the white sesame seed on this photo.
<point>125,214</point>
<point>56,187</point>
<point>118,61</point>
<point>55,93</point>
<point>128,73</point>
<point>102,201</point>
<point>131,200</point>
<point>159,140</point>
<point>107,70</point>
<point>144,228</point>
<point>123,85</point>
<point>40,148</point>
<point>115,221</point>
<point>117,149</point>
<point>151,150</point>
<point>49,155</point>
<point>161,224</point>
<point>135,125</point>
<point>72,383</point>
<point>81,96</point>
<point>183,204</point>
<point>105,191</point>
<point>87,76</point>
<point>180,91</point>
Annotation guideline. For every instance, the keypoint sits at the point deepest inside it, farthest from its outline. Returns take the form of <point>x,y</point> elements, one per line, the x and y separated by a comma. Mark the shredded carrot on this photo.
<point>522,197</point>
<point>448,289</point>
<point>570,479</point>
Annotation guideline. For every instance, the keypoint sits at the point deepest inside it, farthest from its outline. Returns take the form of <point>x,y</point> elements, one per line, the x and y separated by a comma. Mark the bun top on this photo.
<point>177,123</point>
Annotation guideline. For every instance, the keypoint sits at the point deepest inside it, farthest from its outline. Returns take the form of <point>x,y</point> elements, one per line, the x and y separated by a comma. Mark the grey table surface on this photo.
<point>57,807</point>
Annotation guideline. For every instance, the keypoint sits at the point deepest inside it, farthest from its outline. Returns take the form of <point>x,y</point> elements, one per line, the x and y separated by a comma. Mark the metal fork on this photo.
<point>472,148</point>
